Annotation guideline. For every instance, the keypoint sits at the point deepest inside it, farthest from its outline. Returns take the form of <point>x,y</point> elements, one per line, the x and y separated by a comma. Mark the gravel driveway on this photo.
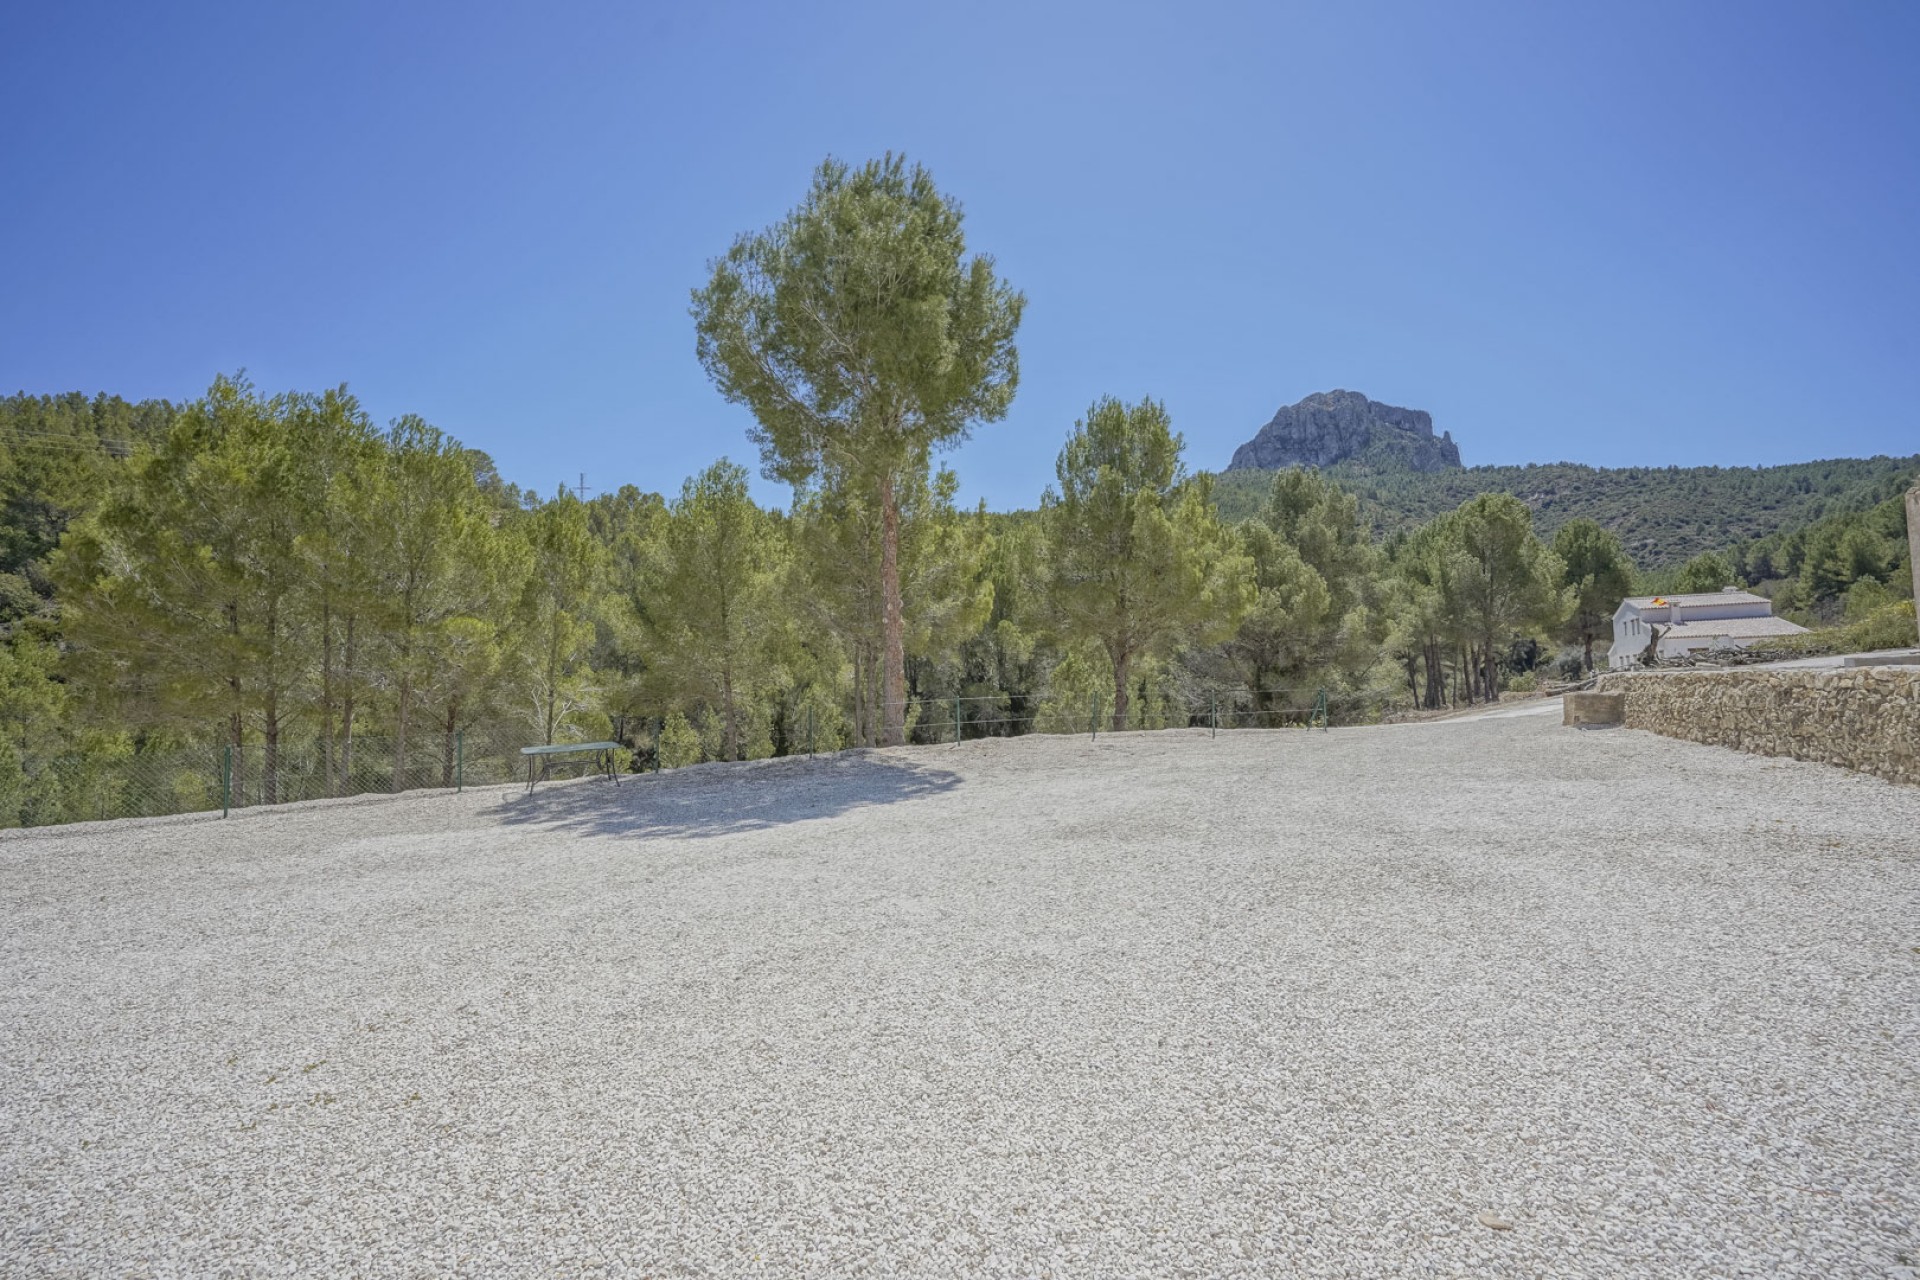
<point>1280,1003</point>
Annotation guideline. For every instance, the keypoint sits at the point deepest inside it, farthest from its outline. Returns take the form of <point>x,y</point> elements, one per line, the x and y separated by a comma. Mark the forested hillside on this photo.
<point>57,455</point>
<point>268,594</point>
<point>1662,515</point>
<point>346,603</point>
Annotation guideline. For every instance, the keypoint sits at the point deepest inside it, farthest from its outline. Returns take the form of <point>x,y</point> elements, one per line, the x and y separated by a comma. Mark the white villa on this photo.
<point>1726,619</point>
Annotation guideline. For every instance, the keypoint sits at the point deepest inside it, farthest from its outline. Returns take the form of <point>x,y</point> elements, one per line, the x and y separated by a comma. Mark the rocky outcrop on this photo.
<point>1338,426</point>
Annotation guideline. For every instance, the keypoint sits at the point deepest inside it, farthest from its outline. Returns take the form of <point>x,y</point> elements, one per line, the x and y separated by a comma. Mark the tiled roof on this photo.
<point>1733,628</point>
<point>1696,599</point>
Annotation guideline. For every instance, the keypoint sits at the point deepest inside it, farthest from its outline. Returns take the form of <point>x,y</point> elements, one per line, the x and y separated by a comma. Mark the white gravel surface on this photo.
<point>1280,1003</point>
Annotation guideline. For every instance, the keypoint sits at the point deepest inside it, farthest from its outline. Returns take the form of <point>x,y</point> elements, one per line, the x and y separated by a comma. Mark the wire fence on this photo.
<point>225,778</point>
<point>221,777</point>
<point>934,719</point>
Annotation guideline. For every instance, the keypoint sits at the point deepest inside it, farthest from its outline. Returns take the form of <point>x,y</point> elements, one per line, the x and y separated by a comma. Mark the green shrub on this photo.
<point>679,743</point>
<point>1890,626</point>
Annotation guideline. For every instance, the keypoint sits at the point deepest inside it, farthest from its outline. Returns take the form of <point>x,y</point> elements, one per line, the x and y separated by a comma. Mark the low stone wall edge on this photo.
<point>1861,718</point>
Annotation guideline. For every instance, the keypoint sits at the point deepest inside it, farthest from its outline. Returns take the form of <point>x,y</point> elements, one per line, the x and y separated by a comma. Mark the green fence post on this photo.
<point>226,783</point>
<point>956,722</point>
<point>1214,700</point>
<point>809,729</point>
<point>459,762</point>
<point>1093,718</point>
<point>659,733</point>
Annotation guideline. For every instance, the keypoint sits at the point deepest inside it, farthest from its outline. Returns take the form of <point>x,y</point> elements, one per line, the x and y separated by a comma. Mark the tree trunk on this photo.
<point>860,717</point>
<point>730,719</point>
<point>326,694</point>
<point>893,627</point>
<point>270,764</point>
<point>406,691</point>
<point>551,715</point>
<point>236,720</point>
<point>270,713</point>
<point>1587,636</point>
<point>1493,672</point>
<point>235,778</point>
<point>1122,661</point>
<point>347,653</point>
<point>446,742</point>
<point>400,732</point>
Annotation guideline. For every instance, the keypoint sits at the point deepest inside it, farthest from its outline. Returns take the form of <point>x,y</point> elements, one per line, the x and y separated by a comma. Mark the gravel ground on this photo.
<point>1157,1005</point>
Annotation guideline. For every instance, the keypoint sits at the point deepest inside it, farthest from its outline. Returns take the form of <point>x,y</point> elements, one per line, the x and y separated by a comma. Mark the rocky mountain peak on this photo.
<point>1335,426</point>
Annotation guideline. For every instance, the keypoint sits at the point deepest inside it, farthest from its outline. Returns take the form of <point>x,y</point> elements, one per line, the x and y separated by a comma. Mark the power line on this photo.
<point>49,440</point>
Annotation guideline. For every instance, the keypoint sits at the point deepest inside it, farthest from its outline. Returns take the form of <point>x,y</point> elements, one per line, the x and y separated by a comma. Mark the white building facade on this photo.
<point>1726,619</point>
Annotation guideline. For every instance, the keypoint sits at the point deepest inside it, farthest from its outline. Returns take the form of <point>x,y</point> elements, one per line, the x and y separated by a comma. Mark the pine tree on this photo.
<point>182,590</point>
<point>1597,575</point>
<point>709,602</point>
<point>1508,581</point>
<point>1137,561</point>
<point>553,623</point>
<point>862,338</point>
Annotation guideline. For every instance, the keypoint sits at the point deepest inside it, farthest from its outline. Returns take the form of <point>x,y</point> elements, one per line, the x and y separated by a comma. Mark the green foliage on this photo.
<point>1663,516</point>
<point>1812,569</point>
<point>341,606</point>
<point>1707,572</point>
<point>33,784</point>
<point>707,595</point>
<point>1137,562</point>
<point>553,619</point>
<point>1472,589</point>
<point>838,538</point>
<point>1291,617</point>
<point>273,570</point>
<point>1508,580</point>
<point>180,592</point>
<point>1890,626</point>
<point>1597,576</point>
<point>58,454</point>
<point>1314,616</point>
<point>862,338</point>
<point>857,330</point>
<point>1864,598</point>
<point>679,742</point>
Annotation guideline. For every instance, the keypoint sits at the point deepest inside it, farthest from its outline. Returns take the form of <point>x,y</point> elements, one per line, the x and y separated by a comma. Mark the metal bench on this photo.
<point>543,758</point>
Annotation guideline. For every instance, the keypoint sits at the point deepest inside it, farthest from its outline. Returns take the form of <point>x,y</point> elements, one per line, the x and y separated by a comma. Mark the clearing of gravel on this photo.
<point>1469,998</point>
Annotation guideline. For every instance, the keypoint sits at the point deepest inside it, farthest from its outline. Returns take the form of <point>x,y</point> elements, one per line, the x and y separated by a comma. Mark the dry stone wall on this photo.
<point>1865,718</point>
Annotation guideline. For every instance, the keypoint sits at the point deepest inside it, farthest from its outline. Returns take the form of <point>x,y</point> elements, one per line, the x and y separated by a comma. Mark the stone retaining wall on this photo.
<point>1866,718</point>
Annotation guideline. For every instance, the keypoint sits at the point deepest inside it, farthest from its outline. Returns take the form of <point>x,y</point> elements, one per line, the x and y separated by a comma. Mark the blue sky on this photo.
<point>1618,234</point>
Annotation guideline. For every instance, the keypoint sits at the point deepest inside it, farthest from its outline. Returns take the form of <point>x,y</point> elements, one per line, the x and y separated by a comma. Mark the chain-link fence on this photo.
<point>194,779</point>
<point>955,719</point>
<point>934,719</point>
<point>223,778</point>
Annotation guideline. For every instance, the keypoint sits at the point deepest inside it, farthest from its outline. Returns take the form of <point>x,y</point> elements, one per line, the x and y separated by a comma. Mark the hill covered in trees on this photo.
<point>272,591</point>
<point>1663,516</point>
<point>278,575</point>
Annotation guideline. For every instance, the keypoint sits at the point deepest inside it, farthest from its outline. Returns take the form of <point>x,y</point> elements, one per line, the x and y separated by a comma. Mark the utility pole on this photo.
<point>579,490</point>
<point>1913,534</point>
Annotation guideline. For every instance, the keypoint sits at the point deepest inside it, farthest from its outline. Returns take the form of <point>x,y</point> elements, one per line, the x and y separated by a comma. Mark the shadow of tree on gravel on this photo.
<point>720,799</point>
